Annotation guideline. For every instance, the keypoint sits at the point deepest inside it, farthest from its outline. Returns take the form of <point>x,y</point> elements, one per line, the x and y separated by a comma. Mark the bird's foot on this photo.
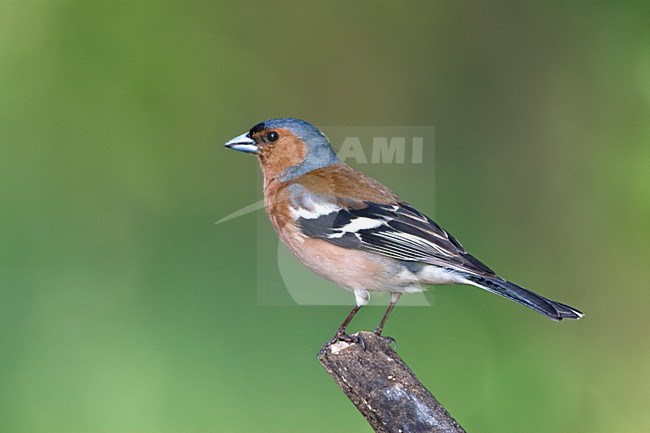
<point>341,335</point>
<point>389,340</point>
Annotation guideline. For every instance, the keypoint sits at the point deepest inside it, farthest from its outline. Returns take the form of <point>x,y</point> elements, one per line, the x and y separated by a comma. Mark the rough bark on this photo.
<point>383,387</point>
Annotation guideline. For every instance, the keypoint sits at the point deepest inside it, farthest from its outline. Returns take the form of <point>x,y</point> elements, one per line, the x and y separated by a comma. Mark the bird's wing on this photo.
<point>347,208</point>
<point>394,230</point>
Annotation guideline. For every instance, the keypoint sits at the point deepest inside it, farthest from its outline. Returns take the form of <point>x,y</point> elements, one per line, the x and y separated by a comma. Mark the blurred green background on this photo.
<point>124,308</point>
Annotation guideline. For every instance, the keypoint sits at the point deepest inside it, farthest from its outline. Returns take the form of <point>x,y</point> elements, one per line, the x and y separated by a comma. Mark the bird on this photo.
<point>350,229</point>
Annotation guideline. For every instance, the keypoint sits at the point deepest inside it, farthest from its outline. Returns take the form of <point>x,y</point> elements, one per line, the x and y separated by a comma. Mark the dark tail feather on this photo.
<point>551,309</point>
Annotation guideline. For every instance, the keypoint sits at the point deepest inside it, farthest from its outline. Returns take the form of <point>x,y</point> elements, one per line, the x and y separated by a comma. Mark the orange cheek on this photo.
<point>276,158</point>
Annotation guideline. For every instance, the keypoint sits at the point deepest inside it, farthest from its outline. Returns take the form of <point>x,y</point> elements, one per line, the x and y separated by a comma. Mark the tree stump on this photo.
<point>383,387</point>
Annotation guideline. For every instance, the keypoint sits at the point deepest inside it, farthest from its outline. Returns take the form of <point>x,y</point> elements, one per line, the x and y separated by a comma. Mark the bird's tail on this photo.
<point>551,309</point>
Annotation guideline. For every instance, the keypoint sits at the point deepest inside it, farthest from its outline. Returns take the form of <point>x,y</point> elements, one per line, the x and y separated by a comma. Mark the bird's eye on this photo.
<point>272,136</point>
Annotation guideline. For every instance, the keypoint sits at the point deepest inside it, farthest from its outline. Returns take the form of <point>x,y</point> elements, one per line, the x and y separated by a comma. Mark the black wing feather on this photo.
<point>401,232</point>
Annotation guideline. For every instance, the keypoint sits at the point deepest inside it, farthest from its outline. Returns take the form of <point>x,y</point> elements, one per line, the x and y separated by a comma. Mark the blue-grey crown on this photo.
<point>319,151</point>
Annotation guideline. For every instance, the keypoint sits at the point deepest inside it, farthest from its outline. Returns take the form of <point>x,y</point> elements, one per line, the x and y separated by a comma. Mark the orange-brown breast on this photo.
<point>349,268</point>
<point>277,202</point>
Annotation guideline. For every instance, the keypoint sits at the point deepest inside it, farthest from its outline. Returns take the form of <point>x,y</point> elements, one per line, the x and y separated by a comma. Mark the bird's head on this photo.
<point>286,147</point>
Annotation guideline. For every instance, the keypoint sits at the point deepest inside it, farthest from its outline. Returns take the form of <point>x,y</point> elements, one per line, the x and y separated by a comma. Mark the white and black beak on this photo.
<point>243,143</point>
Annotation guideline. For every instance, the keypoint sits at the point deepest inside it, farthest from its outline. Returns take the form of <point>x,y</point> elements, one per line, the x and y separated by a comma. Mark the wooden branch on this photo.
<point>383,388</point>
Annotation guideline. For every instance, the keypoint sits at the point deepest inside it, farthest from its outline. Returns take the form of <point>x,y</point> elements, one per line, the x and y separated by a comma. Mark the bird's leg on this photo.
<point>394,297</point>
<point>340,333</point>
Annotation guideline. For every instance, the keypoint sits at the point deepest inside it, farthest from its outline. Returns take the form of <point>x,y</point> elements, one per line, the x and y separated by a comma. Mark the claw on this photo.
<point>390,341</point>
<point>360,342</point>
<point>342,336</point>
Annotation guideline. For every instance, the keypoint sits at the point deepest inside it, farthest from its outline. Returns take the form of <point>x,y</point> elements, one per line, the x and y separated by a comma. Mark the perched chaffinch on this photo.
<point>352,230</point>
